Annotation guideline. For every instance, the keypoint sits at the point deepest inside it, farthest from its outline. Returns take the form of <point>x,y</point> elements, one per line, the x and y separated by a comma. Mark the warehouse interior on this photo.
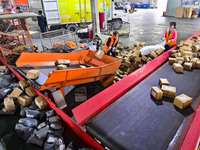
<point>75,85</point>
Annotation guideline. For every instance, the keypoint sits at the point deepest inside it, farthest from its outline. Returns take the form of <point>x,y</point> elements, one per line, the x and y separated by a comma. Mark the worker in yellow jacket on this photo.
<point>111,44</point>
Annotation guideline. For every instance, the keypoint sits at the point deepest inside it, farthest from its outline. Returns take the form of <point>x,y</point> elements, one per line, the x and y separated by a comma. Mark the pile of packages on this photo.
<point>187,12</point>
<point>187,56</point>
<point>132,59</point>
<point>181,101</point>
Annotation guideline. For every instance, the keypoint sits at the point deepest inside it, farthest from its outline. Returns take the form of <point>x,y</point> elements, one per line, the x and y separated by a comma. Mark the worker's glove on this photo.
<point>168,41</point>
<point>113,49</point>
<point>110,48</point>
<point>164,39</point>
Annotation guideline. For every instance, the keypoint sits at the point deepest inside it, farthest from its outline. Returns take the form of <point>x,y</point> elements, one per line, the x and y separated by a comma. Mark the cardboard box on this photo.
<point>174,55</point>
<point>120,48</point>
<point>180,60</point>
<point>184,12</point>
<point>196,11</point>
<point>169,91</point>
<point>172,60</point>
<point>187,66</point>
<point>193,61</point>
<point>159,51</point>
<point>153,55</point>
<point>144,58</point>
<point>23,84</point>
<point>182,101</point>
<point>156,93</point>
<point>33,74</point>
<point>62,62</point>
<point>174,51</point>
<point>127,64</point>
<point>189,12</point>
<point>186,58</point>
<point>61,67</point>
<point>30,91</point>
<point>194,16</point>
<point>181,43</point>
<point>16,93</point>
<point>163,81</point>
<point>196,47</point>
<point>2,68</point>
<point>177,67</point>
<point>9,104</point>
<point>187,53</point>
<point>24,100</point>
<point>179,12</point>
<point>41,102</point>
<point>149,59</point>
<point>99,54</point>
<point>186,48</point>
<point>195,55</point>
<point>197,65</point>
<point>188,43</point>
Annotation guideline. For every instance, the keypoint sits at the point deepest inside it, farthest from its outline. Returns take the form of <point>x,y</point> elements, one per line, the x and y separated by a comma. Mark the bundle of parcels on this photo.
<point>186,12</point>
<point>181,101</point>
<point>132,59</point>
<point>187,56</point>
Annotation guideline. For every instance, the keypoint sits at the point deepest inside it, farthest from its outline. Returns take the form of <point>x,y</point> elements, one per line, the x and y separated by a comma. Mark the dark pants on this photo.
<point>43,29</point>
<point>111,53</point>
<point>167,47</point>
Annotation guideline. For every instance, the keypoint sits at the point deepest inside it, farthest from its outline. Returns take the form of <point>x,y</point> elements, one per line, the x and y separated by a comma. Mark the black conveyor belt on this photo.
<point>138,122</point>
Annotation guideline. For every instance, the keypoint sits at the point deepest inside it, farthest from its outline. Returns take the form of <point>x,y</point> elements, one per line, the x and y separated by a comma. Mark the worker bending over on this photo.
<point>171,36</point>
<point>111,44</point>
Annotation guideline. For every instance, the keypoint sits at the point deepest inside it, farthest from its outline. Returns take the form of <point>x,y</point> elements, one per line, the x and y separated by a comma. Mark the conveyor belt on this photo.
<point>137,121</point>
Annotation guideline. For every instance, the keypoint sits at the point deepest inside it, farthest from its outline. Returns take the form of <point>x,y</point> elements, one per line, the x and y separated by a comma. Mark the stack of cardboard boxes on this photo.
<point>187,12</point>
<point>132,59</point>
<point>187,56</point>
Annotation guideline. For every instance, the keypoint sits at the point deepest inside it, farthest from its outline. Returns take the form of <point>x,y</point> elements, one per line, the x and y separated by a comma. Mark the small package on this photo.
<point>193,61</point>
<point>153,55</point>
<point>62,62</point>
<point>180,60</point>
<point>33,74</point>
<point>16,93</point>
<point>61,67</point>
<point>163,81</point>
<point>169,91</point>
<point>187,66</point>
<point>159,51</point>
<point>24,100</point>
<point>2,68</point>
<point>144,58</point>
<point>156,93</point>
<point>41,102</point>
<point>9,104</point>
<point>182,101</point>
<point>99,54</point>
<point>186,58</point>
<point>30,91</point>
<point>197,65</point>
<point>23,84</point>
<point>172,60</point>
<point>177,67</point>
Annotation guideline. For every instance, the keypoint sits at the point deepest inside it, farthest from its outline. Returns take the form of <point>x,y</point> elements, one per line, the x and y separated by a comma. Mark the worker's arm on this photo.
<point>175,36</point>
<point>108,42</point>
<point>165,35</point>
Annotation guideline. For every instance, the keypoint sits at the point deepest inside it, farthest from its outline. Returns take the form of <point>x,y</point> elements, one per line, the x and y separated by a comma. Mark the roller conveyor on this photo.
<point>138,121</point>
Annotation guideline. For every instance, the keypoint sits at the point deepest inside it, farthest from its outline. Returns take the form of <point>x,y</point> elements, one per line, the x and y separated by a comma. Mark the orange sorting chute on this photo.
<point>56,44</point>
<point>71,44</point>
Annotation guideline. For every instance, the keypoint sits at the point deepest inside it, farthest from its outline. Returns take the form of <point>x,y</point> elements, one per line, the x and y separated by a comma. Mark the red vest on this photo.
<point>170,37</point>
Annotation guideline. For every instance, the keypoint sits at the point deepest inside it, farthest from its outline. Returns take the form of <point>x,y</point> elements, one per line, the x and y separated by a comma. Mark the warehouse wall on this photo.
<point>171,7</point>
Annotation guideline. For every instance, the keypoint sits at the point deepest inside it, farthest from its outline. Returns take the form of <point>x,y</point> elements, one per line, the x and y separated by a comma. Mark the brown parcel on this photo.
<point>153,55</point>
<point>24,100</point>
<point>33,74</point>
<point>61,67</point>
<point>16,93</point>
<point>172,60</point>
<point>189,12</point>
<point>179,12</point>
<point>177,67</point>
<point>156,93</point>
<point>193,61</point>
<point>163,81</point>
<point>188,43</point>
<point>9,104</point>
<point>194,16</point>
<point>23,84</point>
<point>187,66</point>
<point>144,58</point>
<point>197,64</point>
<point>180,60</point>
<point>159,51</point>
<point>186,58</point>
<point>62,62</point>
<point>2,68</point>
<point>182,101</point>
<point>30,91</point>
<point>169,91</point>
<point>195,47</point>
<point>99,54</point>
<point>41,102</point>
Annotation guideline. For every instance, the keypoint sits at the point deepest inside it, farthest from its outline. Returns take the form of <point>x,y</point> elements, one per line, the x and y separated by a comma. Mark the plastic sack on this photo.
<point>148,49</point>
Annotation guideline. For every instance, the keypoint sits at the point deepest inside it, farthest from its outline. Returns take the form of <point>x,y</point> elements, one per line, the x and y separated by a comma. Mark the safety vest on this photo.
<point>112,44</point>
<point>170,37</point>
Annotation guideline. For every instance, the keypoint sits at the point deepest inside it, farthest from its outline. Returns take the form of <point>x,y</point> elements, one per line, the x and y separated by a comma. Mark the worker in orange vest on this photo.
<point>111,44</point>
<point>171,36</point>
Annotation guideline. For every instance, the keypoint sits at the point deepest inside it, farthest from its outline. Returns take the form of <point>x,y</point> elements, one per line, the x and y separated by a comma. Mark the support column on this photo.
<point>95,16</point>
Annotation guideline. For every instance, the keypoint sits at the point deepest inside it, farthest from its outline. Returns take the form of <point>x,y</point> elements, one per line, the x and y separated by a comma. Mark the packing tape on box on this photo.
<point>169,88</point>
<point>153,93</point>
<point>183,98</point>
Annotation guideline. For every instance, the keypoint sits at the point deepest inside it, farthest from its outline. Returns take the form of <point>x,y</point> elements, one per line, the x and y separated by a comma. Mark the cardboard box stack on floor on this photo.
<point>132,59</point>
<point>187,57</point>
<point>186,12</point>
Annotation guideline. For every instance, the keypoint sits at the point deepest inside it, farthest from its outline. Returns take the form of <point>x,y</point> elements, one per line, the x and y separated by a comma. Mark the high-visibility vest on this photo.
<point>112,44</point>
<point>170,37</point>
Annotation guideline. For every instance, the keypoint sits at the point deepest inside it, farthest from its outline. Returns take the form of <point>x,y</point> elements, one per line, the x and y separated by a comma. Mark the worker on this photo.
<point>171,36</point>
<point>18,10</point>
<point>42,23</point>
<point>111,44</point>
